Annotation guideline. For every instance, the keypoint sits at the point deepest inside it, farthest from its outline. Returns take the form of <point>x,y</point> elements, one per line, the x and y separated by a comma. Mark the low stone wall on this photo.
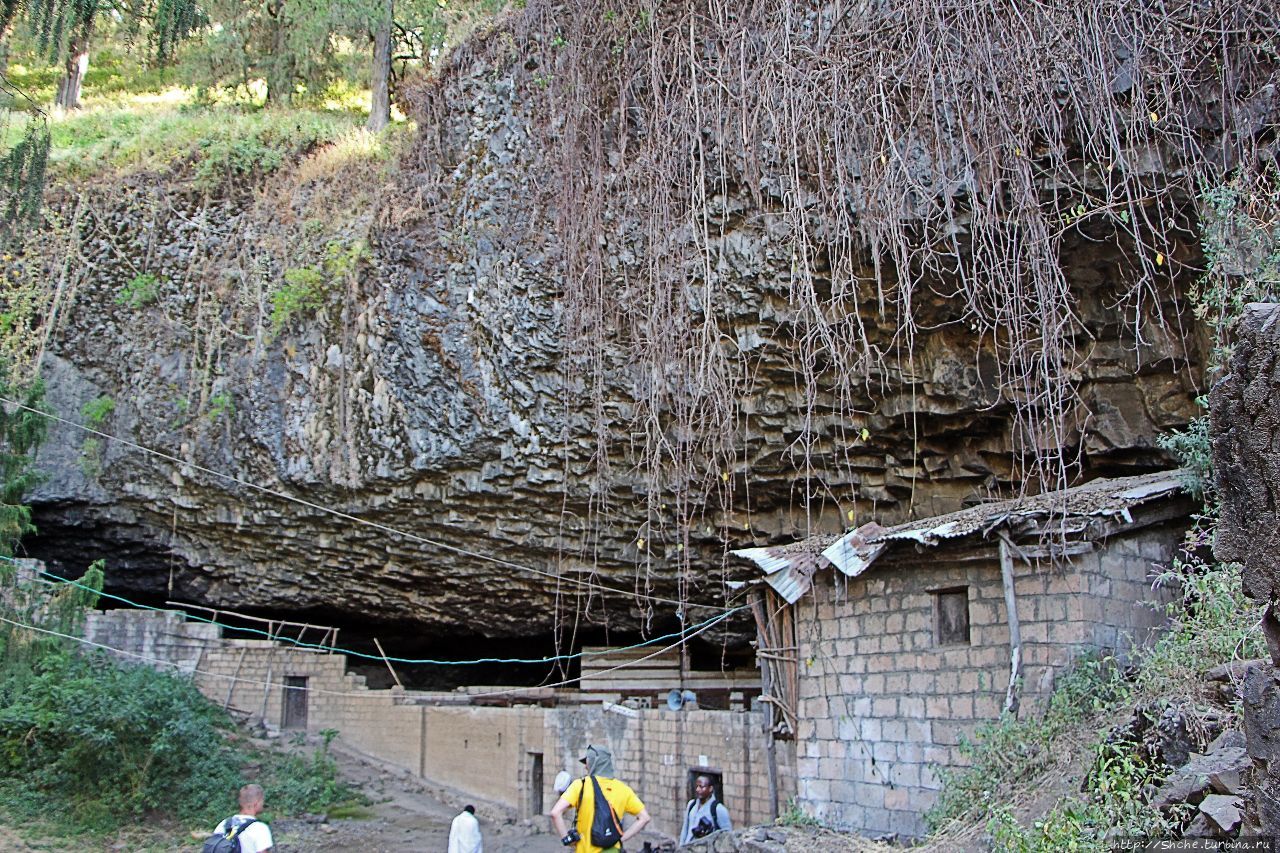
<point>506,756</point>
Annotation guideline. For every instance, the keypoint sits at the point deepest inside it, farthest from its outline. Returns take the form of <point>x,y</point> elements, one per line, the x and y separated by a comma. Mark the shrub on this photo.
<point>304,289</point>
<point>139,291</point>
<point>95,412</point>
<point>1009,750</point>
<point>103,743</point>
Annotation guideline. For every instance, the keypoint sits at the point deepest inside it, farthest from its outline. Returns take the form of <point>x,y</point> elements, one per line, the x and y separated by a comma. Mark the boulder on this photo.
<point>1189,782</point>
<point>1223,812</point>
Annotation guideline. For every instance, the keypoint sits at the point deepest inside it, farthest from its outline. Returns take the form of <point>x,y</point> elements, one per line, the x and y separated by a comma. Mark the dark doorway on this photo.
<point>717,783</point>
<point>535,783</point>
<point>295,702</point>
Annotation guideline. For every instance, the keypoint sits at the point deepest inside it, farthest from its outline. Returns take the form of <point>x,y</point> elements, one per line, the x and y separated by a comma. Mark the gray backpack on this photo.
<point>227,841</point>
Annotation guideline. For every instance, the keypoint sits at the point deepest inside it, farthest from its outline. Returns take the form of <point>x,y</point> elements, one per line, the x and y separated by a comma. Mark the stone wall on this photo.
<point>883,707</point>
<point>485,753</point>
<point>164,638</point>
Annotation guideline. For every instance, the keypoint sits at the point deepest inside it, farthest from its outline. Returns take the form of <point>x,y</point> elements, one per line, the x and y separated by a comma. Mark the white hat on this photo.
<point>563,781</point>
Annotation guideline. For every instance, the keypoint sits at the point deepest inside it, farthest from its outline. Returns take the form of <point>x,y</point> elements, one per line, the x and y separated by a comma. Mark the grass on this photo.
<point>138,120</point>
<point>1212,623</point>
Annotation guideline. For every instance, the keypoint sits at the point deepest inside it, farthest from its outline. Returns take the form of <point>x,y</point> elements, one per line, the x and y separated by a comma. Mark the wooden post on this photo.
<point>766,690</point>
<point>1015,633</point>
<point>234,678</point>
<point>388,663</point>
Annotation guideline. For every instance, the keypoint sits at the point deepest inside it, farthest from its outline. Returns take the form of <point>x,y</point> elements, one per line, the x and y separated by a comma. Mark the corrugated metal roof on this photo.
<point>790,568</point>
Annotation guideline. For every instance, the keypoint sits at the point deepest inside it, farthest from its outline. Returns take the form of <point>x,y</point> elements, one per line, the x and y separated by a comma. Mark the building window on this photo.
<point>951,616</point>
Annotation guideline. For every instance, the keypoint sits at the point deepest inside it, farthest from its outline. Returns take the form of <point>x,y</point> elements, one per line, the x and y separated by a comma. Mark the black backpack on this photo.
<point>227,841</point>
<point>605,832</point>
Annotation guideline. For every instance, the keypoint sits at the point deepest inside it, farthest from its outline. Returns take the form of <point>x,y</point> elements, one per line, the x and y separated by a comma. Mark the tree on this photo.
<point>380,74</point>
<point>22,431</point>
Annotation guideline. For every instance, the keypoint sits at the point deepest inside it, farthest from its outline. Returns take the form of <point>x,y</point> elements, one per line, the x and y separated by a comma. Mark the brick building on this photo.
<point>923,631</point>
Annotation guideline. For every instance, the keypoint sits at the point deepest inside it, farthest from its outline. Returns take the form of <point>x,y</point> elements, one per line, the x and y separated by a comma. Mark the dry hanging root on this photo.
<point>902,145</point>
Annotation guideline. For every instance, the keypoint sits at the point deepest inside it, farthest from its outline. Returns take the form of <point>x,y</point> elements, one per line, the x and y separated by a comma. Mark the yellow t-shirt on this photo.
<point>620,796</point>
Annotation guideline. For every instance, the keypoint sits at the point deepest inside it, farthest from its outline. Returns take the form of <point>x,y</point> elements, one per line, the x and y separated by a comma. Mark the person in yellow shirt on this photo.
<point>581,795</point>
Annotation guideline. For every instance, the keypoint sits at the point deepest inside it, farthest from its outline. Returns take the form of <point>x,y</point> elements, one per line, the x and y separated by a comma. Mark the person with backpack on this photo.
<point>243,832</point>
<point>602,802</point>
<point>704,814</point>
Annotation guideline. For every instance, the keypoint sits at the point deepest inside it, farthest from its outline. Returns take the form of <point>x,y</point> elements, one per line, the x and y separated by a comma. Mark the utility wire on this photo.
<point>321,647</point>
<point>635,596</point>
<point>366,692</point>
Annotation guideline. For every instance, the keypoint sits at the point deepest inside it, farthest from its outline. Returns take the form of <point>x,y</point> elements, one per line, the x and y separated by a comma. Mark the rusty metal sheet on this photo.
<point>789,568</point>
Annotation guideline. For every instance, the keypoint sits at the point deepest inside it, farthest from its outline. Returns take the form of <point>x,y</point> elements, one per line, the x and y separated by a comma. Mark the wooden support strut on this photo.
<point>1015,633</point>
<point>390,668</point>
<point>234,678</point>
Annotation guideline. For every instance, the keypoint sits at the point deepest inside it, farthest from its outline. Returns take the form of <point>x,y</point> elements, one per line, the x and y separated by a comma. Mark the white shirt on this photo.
<point>696,811</point>
<point>464,834</point>
<point>254,838</point>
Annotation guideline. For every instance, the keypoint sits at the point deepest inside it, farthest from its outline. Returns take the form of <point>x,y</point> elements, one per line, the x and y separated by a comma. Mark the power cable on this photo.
<point>366,692</point>
<point>384,528</point>
<point>321,647</point>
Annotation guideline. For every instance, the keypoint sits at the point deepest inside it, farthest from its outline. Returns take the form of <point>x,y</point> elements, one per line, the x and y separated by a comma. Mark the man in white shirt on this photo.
<point>254,835</point>
<point>704,814</point>
<point>464,833</point>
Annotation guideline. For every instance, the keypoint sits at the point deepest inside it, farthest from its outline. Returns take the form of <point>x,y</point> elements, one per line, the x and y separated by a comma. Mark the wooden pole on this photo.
<point>1015,633</point>
<point>766,659</point>
<point>390,668</point>
<point>234,678</point>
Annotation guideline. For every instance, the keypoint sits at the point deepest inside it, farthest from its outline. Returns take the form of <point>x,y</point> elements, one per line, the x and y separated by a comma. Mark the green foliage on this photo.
<point>22,176</point>
<point>1213,622</point>
<point>1010,750</point>
<point>303,290</point>
<point>1115,805</point>
<point>91,457</point>
<point>22,430</point>
<point>793,815</point>
<point>139,291</point>
<point>212,143</point>
<point>88,745</point>
<point>296,784</point>
<point>1191,448</point>
<point>107,743</point>
<point>307,288</point>
<point>96,411</point>
<point>221,404</point>
<point>1240,236</point>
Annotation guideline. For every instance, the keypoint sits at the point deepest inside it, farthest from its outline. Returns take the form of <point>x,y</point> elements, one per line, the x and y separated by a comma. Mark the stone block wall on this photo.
<point>485,753</point>
<point>655,750</point>
<point>884,706</point>
<point>163,638</point>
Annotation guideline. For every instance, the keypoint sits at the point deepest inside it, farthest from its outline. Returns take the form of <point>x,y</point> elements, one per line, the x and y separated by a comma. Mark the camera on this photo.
<point>703,829</point>
<point>571,837</point>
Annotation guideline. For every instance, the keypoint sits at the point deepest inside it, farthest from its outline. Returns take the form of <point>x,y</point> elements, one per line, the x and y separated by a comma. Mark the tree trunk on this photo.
<point>73,72</point>
<point>280,66</point>
<point>380,78</point>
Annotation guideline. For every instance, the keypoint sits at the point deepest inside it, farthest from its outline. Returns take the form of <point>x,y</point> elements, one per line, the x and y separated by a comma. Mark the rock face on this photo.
<point>429,405</point>
<point>1245,423</point>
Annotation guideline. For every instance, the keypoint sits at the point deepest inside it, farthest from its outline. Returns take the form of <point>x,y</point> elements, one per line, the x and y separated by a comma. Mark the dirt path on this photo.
<point>408,815</point>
